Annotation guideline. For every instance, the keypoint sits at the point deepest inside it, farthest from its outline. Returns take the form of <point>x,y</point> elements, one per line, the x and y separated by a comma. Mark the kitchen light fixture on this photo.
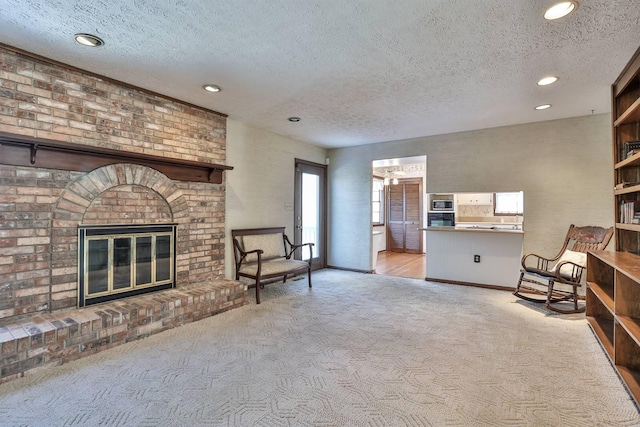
<point>542,107</point>
<point>387,180</point>
<point>390,176</point>
<point>294,119</point>
<point>547,80</point>
<point>89,40</point>
<point>211,88</point>
<point>560,10</point>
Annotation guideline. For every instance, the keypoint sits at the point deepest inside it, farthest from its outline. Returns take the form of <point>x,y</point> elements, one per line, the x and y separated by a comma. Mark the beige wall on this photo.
<point>563,167</point>
<point>262,181</point>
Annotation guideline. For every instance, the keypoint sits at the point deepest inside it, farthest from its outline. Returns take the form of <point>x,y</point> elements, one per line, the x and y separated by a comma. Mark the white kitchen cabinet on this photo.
<point>475,198</point>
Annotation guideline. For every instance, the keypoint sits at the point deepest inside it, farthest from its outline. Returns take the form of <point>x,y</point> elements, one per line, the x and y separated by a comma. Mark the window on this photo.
<point>377,201</point>
<point>509,203</point>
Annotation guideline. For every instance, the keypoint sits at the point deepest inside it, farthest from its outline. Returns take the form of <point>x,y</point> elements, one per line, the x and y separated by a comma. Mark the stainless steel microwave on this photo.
<point>442,205</point>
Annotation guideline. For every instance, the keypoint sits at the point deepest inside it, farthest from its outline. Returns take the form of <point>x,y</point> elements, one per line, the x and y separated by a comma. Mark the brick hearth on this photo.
<point>51,339</point>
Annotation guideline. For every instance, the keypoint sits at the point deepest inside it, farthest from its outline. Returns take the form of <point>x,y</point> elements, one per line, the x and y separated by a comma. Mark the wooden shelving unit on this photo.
<point>613,278</point>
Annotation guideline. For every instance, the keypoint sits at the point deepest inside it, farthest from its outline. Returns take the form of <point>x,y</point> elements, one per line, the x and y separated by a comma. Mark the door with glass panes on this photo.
<point>310,211</point>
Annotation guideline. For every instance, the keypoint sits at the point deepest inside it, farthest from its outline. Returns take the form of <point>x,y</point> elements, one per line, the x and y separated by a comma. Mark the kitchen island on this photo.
<point>486,255</point>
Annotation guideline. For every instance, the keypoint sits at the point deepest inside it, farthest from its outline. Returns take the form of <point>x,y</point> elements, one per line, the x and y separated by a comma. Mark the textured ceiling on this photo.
<point>357,71</point>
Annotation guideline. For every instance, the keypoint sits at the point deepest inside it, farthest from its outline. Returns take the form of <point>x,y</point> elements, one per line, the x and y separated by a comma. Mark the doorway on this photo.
<point>310,211</point>
<point>398,244</point>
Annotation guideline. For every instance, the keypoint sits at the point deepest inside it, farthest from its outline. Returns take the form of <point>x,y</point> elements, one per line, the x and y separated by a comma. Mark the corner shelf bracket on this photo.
<point>34,150</point>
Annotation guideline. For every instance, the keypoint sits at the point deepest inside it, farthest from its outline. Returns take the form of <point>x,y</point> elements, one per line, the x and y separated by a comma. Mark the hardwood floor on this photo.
<point>401,265</point>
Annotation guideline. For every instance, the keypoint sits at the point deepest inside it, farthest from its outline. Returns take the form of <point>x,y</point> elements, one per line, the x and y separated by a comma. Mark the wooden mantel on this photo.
<point>19,150</point>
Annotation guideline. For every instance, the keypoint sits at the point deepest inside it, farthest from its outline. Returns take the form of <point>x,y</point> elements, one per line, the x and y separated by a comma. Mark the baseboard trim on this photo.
<point>475,285</point>
<point>351,269</point>
<point>482,285</point>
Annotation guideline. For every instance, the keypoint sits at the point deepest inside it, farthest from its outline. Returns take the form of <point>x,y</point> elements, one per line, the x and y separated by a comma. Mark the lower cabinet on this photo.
<point>613,310</point>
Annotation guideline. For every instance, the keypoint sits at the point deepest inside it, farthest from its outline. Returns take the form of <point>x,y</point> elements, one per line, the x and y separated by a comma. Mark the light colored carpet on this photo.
<point>355,350</point>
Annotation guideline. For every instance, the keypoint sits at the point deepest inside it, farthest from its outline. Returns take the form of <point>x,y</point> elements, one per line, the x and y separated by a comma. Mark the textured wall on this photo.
<point>350,208</point>
<point>262,180</point>
<point>563,167</point>
<point>41,208</point>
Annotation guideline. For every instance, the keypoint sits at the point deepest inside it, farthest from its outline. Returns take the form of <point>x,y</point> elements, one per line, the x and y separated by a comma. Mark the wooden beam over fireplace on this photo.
<point>19,150</point>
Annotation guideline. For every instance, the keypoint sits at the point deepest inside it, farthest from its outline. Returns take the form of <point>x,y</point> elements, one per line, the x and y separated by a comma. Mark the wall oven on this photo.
<point>441,219</point>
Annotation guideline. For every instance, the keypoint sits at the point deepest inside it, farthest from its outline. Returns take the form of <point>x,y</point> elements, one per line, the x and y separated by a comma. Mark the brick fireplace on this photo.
<point>42,206</point>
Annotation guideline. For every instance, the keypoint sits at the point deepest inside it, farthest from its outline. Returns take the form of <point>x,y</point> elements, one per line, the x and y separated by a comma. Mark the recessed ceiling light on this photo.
<point>542,107</point>
<point>547,80</point>
<point>294,119</point>
<point>211,88</point>
<point>89,40</point>
<point>560,10</point>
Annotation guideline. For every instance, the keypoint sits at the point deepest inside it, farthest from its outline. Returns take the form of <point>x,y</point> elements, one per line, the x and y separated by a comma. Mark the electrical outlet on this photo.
<point>476,258</point>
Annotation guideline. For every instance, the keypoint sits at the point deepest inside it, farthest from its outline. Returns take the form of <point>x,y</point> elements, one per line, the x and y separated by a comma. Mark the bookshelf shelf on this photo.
<point>627,190</point>
<point>630,115</point>
<point>605,296</point>
<point>631,326</point>
<point>628,227</point>
<point>631,161</point>
<point>604,332</point>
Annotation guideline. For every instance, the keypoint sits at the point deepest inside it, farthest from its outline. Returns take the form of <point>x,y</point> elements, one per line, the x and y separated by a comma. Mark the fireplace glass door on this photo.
<point>119,261</point>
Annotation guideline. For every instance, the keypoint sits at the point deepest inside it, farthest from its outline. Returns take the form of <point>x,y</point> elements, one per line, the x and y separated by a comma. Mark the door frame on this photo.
<point>297,211</point>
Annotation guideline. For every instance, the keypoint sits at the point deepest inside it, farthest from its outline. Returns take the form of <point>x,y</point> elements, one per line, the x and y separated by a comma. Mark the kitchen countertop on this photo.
<point>479,229</point>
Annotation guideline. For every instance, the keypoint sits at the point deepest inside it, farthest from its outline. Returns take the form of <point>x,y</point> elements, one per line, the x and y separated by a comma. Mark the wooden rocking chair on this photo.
<point>542,275</point>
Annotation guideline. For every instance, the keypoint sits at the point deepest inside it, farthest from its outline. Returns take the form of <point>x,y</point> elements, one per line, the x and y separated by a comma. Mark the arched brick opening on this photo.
<point>137,194</point>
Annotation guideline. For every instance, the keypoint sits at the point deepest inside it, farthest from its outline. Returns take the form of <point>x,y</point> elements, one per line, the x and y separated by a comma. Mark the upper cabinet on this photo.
<point>626,133</point>
<point>475,198</point>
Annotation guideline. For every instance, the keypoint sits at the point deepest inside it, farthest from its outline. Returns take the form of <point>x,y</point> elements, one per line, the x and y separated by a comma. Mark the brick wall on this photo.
<point>132,204</point>
<point>41,208</point>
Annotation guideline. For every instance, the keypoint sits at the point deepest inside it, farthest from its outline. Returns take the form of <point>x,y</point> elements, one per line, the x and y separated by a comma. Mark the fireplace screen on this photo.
<point>117,261</point>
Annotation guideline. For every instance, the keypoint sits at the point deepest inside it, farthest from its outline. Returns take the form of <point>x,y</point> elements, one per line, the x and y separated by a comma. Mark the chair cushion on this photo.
<point>272,245</point>
<point>579,258</point>
<point>274,266</point>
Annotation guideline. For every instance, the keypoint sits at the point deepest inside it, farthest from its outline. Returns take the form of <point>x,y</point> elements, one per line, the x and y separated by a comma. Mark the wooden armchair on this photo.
<point>266,253</point>
<point>557,279</point>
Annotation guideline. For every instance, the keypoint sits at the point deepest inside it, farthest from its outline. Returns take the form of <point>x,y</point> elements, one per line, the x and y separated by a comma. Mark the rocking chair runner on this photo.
<point>541,275</point>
